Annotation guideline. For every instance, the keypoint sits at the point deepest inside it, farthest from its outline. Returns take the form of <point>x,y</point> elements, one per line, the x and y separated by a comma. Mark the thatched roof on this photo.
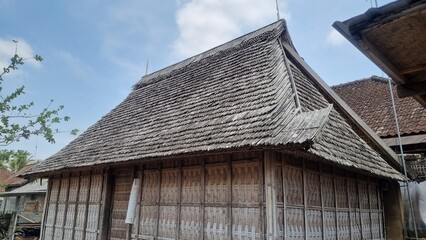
<point>393,37</point>
<point>370,99</point>
<point>238,95</point>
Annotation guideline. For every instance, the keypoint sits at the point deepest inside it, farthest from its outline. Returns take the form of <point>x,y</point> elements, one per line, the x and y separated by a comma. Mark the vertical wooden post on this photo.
<point>349,205</point>
<point>179,198</point>
<point>77,202</point>
<point>322,201</point>
<point>271,201</point>
<point>129,226</point>
<point>369,206</point>
<point>99,226</point>
<point>379,206</point>
<point>229,199</point>
<point>45,209</point>
<point>284,197</point>
<point>305,200</point>
<point>336,216</point>
<point>56,206</point>
<point>107,207</point>
<point>139,209</point>
<point>357,185</point>
<point>158,202</point>
<point>87,205</point>
<point>393,209</point>
<point>203,196</point>
<point>66,205</point>
<point>15,216</point>
<point>261,197</point>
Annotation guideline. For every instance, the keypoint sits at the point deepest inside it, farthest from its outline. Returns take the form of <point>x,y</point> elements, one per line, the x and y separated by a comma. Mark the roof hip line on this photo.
<point>290,73</point>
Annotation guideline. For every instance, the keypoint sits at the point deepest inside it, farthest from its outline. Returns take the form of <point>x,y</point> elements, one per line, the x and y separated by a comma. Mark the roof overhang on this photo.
<point>406,140</point>
<point>393,37</point>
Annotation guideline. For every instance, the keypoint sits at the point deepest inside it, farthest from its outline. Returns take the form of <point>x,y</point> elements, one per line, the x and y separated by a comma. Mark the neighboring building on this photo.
<point>27,207</point>
<point>370,98</point>
<point>241,141</point>
<point>22,203</point>
<point>8,180</point>
<point>393,37</point>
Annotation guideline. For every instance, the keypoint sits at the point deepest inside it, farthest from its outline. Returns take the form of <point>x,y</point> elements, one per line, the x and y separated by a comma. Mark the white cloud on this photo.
<point>204,24</point>
<point>335,38</point>
<point>78,67</point>
<point>7,51</point>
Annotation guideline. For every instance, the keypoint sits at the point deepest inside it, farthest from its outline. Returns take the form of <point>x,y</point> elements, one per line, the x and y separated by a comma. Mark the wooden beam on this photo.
<point>413,69</point>
<point>107,205</point>
<point>86,212</point>
<point>380,60</point>
<point>45,208</point>
<point>411,89</point>
<point>271,202</point>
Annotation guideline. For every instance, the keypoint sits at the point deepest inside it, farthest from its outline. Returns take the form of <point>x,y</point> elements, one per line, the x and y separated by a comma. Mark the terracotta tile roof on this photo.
<point>233,96</point>
<point>8,178</point>
<point>370,99</point>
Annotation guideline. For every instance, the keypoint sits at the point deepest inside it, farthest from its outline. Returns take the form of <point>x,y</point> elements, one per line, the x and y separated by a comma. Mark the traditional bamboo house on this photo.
<point>243,141</point>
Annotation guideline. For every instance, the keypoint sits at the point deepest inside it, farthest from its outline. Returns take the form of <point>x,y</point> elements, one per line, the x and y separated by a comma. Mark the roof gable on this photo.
<point>239,94</point>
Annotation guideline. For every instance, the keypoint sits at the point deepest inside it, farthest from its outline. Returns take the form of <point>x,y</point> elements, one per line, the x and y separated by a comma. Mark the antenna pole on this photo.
<point>146,67</point>
<point>278,10</point>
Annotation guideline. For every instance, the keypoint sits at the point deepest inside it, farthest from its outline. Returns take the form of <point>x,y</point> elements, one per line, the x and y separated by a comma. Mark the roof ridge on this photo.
<point>262,33</point>
<point>373,78</point>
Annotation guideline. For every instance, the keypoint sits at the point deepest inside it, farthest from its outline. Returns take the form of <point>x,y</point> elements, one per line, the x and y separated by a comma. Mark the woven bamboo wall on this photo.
<point>218,197</point>
<point>210,198</point>
<point>317,201</point>
<point>74,207</point>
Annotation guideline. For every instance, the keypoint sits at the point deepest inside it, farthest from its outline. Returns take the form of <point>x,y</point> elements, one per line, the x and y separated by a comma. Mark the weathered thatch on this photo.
<point>237,95</point>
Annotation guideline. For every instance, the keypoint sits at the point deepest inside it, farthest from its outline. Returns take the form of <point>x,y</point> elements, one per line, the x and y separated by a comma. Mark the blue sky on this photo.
<point>94,51</point>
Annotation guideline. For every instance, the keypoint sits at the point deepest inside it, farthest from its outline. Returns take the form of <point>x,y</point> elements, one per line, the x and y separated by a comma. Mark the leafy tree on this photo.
<point>16,120</point>
<point>14,160</point>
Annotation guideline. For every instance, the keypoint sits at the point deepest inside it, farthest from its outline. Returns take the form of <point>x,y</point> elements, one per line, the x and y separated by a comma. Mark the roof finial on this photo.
<point>278,10</point>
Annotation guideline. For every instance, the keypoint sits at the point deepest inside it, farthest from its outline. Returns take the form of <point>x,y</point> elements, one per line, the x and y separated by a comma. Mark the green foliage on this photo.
<point>16,120</point>
<point>14,160</point>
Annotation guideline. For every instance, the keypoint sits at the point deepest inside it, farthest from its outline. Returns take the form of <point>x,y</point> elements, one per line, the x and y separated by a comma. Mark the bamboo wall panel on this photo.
<point>73,207</point>
<point>190,224</point>
<point>344,226</point>
<point>122,184</point>
<point>148,221</point>
<point>212,198</point>
<point>245,223</point>
<point>295,228</point>
<point>216,226</point>
<point>330,225</point>
<point>167,225</point>
<point>294,185</point>
<point>323,202</point>
<point>191,185</point>
<point>216,184</point>
<point>245,183</point>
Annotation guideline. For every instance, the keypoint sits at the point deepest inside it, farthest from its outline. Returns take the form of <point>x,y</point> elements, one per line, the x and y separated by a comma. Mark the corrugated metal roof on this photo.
<point>33,187</point>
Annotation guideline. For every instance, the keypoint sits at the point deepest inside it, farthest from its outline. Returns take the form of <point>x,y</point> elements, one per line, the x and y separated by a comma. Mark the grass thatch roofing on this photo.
<point>233,96</point>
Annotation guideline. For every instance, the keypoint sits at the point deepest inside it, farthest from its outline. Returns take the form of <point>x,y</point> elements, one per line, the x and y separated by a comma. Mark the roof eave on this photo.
<point>354,28</point>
